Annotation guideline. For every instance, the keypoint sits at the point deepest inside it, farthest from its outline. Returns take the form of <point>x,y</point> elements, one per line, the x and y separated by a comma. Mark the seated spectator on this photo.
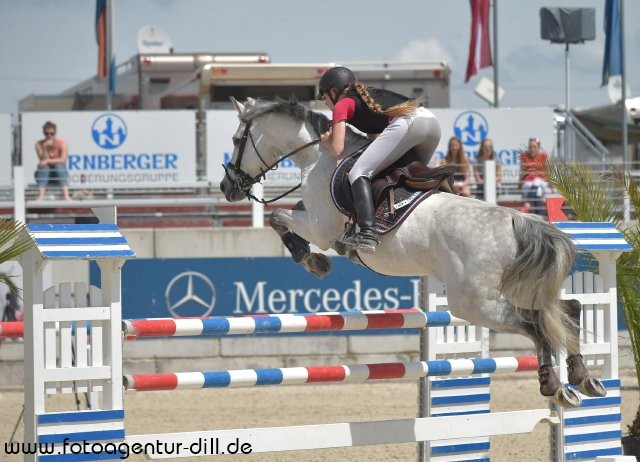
<point>485,153</point>
<point>52,155</point>
<point>456,156</point>
<point>533,179</point>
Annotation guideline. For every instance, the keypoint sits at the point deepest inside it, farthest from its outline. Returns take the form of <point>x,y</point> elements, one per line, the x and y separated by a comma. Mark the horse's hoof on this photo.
<point>592,387</point>
<point>317,264</point>
<point>565,397</point>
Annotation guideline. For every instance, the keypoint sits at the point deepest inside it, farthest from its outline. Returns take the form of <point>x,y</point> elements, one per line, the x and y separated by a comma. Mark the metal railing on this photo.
<point>576,142</point>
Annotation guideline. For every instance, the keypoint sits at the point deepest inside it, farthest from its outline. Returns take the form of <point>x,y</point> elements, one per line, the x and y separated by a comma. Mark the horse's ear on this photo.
<point>238,105</point>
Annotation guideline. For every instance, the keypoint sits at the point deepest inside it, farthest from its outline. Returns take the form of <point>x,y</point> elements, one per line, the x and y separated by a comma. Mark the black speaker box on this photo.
<point>568,25</point>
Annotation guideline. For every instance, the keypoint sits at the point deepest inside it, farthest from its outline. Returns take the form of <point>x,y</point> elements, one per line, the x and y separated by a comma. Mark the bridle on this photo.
<point>243,181</point>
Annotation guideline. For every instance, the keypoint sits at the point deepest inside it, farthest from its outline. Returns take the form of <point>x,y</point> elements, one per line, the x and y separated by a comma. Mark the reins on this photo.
<point>244,181</point>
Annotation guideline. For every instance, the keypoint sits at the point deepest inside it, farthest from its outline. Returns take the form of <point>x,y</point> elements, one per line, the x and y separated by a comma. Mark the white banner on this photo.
<point>120,149</point>
<point>5,150</point>
<point>221,126</point>
<point>510,130</point>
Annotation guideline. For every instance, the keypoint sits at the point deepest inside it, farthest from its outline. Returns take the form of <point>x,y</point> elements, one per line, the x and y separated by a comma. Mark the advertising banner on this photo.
<point>121,149</point>
<point>510,130</point>
<point>6,146</point>
<point>254,286</point>
<point>221,126</point>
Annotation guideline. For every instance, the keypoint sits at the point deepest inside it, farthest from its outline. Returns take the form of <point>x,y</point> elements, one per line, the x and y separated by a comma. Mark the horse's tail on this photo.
<point>534,280</point>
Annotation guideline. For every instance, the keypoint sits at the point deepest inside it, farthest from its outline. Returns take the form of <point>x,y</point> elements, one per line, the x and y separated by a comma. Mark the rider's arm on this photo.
<point>333,140</point>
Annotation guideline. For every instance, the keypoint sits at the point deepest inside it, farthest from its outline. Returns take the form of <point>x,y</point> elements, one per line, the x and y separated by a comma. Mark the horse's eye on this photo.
<point>236,141</point>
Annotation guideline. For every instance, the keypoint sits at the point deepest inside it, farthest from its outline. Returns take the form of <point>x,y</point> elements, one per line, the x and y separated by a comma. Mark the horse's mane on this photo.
<point>291,106</point>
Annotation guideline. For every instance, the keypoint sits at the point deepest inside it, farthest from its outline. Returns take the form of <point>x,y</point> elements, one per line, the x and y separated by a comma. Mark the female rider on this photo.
<point>396,124</point>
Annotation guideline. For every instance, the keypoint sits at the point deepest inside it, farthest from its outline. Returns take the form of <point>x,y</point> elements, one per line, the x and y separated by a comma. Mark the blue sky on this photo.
<point>47,46</point>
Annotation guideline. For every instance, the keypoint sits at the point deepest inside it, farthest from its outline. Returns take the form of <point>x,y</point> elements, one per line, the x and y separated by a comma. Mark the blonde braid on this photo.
<point>399,110</point>
<point>368,99</point>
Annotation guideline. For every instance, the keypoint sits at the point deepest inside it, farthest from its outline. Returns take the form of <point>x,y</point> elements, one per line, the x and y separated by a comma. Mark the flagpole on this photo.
<point>624,89</point>
<point>495,54</point>
<point>625,134</point>
<point>109,52</point>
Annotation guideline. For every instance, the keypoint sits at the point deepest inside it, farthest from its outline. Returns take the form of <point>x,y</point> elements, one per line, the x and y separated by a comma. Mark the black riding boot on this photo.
<point>367,238</point>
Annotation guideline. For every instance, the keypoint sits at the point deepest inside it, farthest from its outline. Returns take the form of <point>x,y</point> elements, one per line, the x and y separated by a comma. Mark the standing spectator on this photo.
<point>52,154</point>
<point>456,156</point>
<point>533,179</point>
<point>485,153</point>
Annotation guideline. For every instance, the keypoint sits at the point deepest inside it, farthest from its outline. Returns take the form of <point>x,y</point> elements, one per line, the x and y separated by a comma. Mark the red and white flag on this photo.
<point>479,45</point>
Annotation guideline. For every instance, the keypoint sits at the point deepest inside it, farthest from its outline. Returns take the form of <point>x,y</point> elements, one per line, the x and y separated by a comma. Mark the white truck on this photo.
<point>206,80</point>
<point>426,80</point>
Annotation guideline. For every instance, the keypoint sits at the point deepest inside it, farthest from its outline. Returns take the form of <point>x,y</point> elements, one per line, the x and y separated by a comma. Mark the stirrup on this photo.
<point>366,244</point>
<point>340,245</point>
<point>365,241</point>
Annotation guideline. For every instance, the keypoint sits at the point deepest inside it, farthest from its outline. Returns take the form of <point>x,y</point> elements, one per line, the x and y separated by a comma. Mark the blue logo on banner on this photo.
<point>471,127</point>
<point>109,131</point>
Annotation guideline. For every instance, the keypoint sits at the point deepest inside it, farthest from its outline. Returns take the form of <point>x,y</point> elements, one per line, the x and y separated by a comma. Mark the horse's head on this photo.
<point>269,131</point>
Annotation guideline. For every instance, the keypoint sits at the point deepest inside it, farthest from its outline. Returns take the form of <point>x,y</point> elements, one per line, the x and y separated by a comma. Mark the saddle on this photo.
<point>396,191</point>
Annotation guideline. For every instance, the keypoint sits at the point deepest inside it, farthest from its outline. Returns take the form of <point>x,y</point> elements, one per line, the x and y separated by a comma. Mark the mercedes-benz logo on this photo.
<point>190,294</point>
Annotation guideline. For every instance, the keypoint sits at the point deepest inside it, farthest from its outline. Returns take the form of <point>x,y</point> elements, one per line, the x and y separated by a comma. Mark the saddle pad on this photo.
<point>387,216</point>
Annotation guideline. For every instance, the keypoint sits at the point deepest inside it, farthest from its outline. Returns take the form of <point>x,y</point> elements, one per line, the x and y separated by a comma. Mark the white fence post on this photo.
<point>19,203</point>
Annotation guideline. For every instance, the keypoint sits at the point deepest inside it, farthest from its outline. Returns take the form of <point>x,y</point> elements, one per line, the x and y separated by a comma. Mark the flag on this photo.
<point>612,63</point>
<point>106,57</point>
<point>101,37</point>
<point>479,44</point>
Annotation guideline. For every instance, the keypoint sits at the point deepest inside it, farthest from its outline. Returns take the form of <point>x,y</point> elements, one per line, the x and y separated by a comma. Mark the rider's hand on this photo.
<point>325,138</point>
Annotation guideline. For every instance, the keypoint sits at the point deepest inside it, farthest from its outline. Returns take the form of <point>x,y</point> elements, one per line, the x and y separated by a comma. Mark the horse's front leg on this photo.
<point>576,368</point>
<point>290,229</point>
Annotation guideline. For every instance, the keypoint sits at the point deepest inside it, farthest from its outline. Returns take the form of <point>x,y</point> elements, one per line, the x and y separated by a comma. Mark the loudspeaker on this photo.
<point>568,25</point>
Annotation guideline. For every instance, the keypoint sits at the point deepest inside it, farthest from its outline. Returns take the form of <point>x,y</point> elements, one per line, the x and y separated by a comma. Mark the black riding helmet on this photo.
<point>339,77</point>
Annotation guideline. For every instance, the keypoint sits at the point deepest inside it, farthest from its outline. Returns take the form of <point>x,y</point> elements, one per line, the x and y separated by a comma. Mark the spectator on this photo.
<point>52,154</point>
<point>485,153</point>
<point>533,179</point>
<point>456,156</point>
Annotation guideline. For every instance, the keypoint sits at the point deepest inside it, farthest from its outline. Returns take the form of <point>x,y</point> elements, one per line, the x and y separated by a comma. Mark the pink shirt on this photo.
<point>344,110</point>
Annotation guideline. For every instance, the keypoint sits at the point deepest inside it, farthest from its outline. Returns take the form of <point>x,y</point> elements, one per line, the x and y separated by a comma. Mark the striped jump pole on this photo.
<point>11,329</point>
<point>285,323</point>
<point>324,374</point>
<point>409,318</point>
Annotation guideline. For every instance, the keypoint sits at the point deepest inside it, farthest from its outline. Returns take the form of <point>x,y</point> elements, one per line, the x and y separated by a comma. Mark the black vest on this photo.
<point>364,118</point>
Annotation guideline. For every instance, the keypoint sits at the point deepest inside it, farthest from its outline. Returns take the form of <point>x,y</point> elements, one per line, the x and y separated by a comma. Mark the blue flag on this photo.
<point>612,64</point>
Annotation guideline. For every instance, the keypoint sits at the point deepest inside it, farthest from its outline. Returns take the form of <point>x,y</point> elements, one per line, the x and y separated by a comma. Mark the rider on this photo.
<point>394,122</point>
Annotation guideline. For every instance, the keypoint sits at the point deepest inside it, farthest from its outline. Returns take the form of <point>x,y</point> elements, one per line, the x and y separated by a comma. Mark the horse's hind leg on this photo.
<point>576,368</point>
<point>550,386</point>
<point>503,317</point>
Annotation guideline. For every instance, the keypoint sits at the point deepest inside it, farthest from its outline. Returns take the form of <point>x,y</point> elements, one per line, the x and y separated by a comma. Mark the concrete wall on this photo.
<point>205,242</point>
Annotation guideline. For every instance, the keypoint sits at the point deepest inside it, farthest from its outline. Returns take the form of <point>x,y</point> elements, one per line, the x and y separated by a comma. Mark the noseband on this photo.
<point>243,181</point>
